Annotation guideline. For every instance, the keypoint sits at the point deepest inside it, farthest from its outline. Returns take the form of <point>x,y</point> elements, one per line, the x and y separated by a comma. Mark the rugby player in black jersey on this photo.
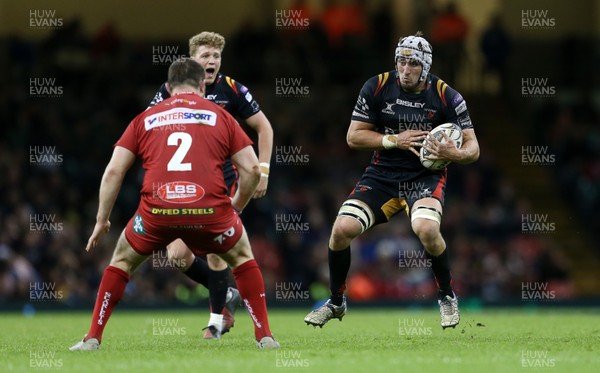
<point>392,116</point>
<point>206,49</point>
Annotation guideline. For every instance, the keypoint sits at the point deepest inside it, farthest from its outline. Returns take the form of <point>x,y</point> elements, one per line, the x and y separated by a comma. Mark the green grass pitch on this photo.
<point>367,340</point>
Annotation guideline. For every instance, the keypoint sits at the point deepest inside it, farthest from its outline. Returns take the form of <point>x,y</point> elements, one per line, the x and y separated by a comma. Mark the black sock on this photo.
<point>217,286</point>
<point>339,265</point>
<point>198,271</point>
<point>441,270</point>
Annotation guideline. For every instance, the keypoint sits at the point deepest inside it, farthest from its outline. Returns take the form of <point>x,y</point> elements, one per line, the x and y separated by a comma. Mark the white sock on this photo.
<point>216,320</point>
<point>229,295</point>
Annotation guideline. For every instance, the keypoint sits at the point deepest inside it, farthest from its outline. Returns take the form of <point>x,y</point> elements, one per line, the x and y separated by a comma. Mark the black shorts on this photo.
<point>387,193</point>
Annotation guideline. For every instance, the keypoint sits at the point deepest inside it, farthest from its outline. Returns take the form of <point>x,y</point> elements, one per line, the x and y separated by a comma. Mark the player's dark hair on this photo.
<point>185,71</point>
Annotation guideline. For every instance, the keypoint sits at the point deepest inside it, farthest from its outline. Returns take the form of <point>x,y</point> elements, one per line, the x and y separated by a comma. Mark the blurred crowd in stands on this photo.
<point>48,204</point>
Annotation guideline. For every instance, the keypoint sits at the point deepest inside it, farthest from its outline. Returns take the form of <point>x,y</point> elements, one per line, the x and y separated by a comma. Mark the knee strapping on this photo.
<point>358,211</point>
<point>424,212</point>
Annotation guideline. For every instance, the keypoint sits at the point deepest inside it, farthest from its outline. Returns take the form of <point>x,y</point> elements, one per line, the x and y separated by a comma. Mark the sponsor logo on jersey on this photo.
<point>361,105</point>
<point>458,98</point>
<point>461,108</point>
<point>430,113</point>
<point>418,105</point>
<point>180,116</point>
<point>183,101</point>
<point>360,115</point>
<point>198,211</point>
<point>248,97</point>
<point>180,192</point>
<point>138,224</point>
<point>465,121</point>
<point>211,97</point>
<point>388,108</point>
<point>223,236</point>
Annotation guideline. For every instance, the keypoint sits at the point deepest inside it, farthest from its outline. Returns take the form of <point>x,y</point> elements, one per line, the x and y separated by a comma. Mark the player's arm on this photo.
<point>362,136</point>
<point>247,164</point>
<point>456,112</point>
<point>468,153</point>
<point>119,164</point>
<point>259,123</point>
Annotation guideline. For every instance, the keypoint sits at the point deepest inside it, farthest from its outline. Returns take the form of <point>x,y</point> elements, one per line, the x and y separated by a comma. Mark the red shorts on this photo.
<point>145,236</point>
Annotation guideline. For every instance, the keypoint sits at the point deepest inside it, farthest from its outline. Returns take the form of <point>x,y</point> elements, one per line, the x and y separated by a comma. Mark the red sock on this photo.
<point>110,293</point>
<point>250,283</point>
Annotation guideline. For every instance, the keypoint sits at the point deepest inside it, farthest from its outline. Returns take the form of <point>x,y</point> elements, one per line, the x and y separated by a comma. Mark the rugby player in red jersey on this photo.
<point>183,143</point>
<point>206,49</point>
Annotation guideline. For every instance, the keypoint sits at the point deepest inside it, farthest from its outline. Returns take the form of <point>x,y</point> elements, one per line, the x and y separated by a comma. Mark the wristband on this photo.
<point>387,143</point>
<point>264,169</point>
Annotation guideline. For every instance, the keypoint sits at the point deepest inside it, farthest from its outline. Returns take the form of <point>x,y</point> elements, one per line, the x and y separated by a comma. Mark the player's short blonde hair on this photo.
<point>212,39</point>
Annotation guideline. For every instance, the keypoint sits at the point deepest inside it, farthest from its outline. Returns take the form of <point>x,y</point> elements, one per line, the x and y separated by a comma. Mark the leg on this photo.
<point>192,266</point>
<point>123,263</point>
<point>218,279</point>
<point>344,230</point>
<point>213,274</point>
<point>224,300</point>
<point>354,218</point>
<point>251,287</point>
<point>426,217</point>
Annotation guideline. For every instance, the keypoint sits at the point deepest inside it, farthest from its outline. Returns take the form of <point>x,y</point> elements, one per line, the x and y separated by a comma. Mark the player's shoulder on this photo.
<point>230,84</point>
<point>447,95</point>
<point>220,111</point>
<point>380,81</point>
<point>161,95</point>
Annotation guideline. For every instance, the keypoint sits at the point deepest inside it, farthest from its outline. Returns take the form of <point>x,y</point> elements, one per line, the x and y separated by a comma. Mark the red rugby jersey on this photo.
<point>183,142</point>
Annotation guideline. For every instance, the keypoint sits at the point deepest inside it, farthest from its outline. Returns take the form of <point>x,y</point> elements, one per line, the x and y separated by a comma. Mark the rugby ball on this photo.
<point>453,131</point>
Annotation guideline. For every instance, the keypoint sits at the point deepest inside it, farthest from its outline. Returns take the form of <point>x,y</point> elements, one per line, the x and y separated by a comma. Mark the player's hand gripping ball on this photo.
<point>453,131</point>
